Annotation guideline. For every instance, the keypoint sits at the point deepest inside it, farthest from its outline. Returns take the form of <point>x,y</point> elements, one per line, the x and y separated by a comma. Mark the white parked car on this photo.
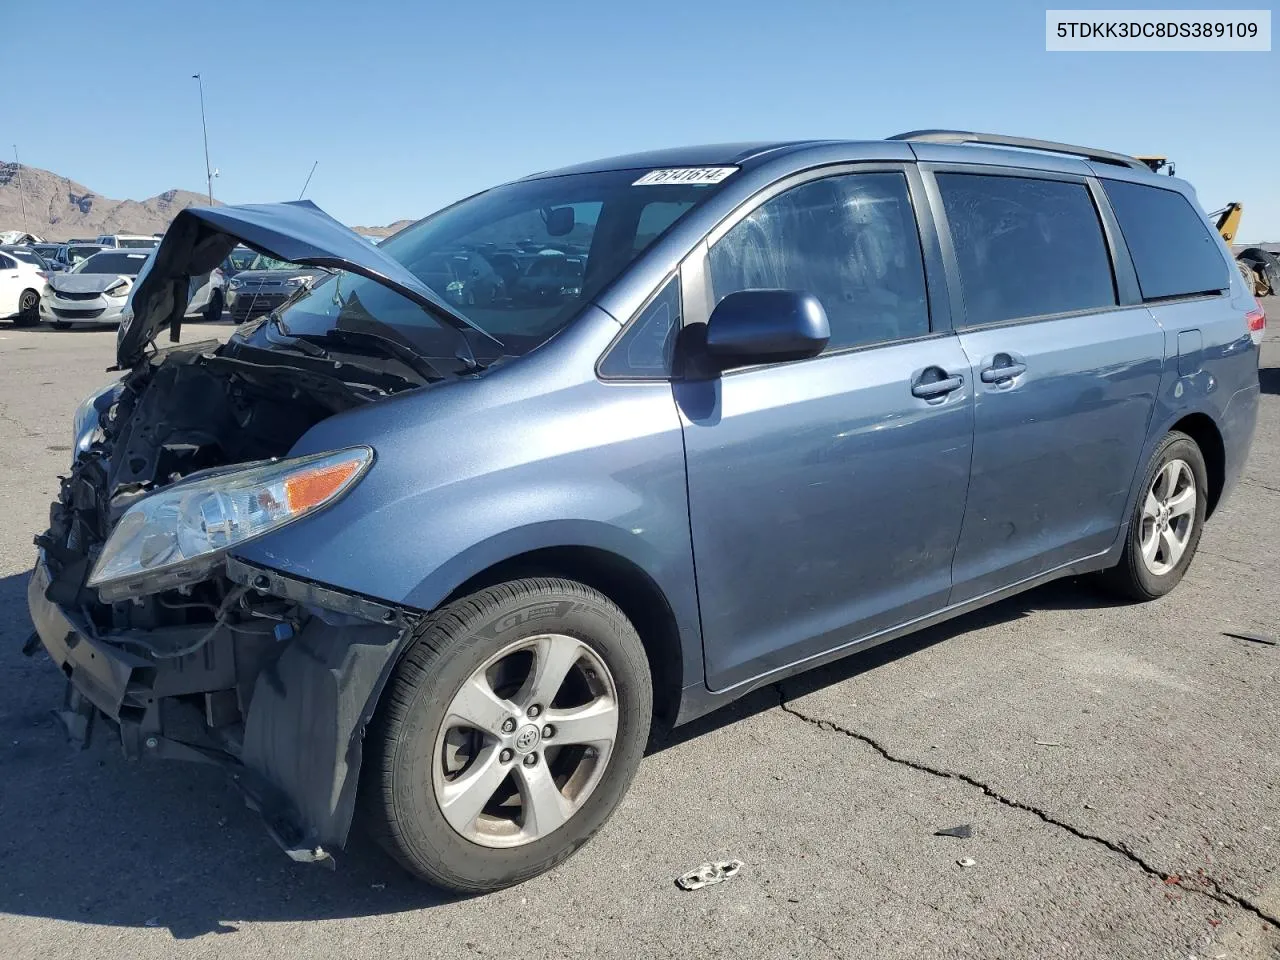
<point>94,291</point>
<point>128,241</point>
<point>20,283</point>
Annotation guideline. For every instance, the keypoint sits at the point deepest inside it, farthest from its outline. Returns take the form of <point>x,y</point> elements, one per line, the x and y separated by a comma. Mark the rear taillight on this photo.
<point>1257,321</point>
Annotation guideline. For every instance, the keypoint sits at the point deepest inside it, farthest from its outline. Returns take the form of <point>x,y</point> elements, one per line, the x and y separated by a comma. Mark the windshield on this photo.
<point>137,243</point>
<point>76,254</point>
<point>519,261</point>
<point>125,264</point>
<point>240,258</point>
<point>263,262</point>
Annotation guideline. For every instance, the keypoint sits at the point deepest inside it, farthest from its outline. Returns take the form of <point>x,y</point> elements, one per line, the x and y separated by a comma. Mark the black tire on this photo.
<point>61,325</point>
<point>213,309</point>
<point>28,309</point>
<point>398,801</point>
<point>1130,578</point>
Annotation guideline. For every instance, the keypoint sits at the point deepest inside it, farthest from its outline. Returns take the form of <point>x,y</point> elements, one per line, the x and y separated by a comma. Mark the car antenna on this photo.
<point>308,181</point>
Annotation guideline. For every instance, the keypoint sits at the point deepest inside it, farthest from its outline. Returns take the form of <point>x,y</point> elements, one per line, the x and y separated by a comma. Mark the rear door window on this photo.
<point>851,241</point>
<point>1173,250</point>
<point>1026,247</point>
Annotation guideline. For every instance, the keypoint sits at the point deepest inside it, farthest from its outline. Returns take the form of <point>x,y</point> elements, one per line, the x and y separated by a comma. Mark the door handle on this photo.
<point>940,386</point>
<point>1002,368</point>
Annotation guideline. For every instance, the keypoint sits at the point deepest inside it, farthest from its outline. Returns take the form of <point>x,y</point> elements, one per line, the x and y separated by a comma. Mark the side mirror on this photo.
<point>766,326</point>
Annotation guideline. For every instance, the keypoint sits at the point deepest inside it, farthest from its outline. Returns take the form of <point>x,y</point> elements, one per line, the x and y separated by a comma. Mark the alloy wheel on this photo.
<point>525,741</point>
<point>1168,517</point>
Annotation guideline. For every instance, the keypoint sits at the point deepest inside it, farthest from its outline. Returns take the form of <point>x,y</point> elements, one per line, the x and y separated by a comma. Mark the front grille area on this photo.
<point>79,314</point>
<point>250,305</point>
<point>67,295</point>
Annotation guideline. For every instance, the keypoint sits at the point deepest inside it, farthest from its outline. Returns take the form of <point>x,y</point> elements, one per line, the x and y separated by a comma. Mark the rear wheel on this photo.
<point>28,309</point>
<point>508,735</point>
<point>1167,521</point>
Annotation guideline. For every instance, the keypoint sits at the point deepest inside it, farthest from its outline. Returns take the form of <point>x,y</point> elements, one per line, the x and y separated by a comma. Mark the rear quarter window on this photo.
<point>1173,250</point>
<point>1026,247</point>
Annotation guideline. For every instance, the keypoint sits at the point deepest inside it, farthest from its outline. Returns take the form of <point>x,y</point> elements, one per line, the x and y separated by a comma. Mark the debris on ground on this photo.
<point>967,862</point>
<point>964,831</point>
<point>1252,638</point>
<point>1048,743</point>
<point>151,922</point>
<point>709,873</point>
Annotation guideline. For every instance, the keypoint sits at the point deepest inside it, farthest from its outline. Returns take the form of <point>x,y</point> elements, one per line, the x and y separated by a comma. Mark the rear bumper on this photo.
<point>1239,422</point>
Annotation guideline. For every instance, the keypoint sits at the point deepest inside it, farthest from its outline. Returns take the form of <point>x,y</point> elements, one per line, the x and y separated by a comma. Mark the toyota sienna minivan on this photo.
<point>429,549</point>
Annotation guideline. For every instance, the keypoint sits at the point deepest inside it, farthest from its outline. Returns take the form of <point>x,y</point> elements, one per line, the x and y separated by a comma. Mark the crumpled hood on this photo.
<point>84,282</point>
<point>299,232</point>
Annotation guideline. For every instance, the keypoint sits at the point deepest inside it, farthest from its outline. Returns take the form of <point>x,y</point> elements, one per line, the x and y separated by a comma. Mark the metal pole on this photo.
<point>304,186</point>
<point>22,197</point>
<point>208,171</point>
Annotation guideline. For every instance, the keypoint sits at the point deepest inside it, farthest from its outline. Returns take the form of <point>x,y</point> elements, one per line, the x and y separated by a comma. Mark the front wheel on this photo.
<point>508,735</point>
<point>1167,521</point>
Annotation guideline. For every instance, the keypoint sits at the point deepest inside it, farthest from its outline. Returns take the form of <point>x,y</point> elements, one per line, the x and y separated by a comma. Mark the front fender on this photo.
<point>533,455</point>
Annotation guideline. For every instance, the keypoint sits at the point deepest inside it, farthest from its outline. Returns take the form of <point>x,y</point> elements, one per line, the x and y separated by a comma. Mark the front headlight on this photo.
<point>120,289</point>
<point>234,284</point>
<point>179,534</point>
<point>298,281</point>
<point>88,416</point>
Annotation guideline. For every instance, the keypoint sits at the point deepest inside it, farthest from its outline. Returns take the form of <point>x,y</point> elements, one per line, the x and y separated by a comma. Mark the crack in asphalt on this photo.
<point>1212,889</point>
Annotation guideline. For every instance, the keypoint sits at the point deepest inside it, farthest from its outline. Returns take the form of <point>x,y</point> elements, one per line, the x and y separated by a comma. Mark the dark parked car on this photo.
<point>48,252</point>
<point>70,254</point>
<point>264,284</point>
<point>803,398</point>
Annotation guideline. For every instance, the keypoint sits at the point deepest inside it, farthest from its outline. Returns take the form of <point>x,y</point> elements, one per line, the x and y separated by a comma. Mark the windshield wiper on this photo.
<point>286,339</point>
<point>403,352</point>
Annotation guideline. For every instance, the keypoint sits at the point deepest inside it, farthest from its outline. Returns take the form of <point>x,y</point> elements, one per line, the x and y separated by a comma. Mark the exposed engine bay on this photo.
<point>187,410</point>
<point>272,676</point>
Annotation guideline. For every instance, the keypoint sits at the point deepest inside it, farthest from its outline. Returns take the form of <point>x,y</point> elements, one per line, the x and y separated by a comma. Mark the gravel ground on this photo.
<point>1117,764</point>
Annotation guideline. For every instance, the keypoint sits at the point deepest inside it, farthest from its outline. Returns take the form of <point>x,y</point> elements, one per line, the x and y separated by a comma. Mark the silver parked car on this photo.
<point>94,291</point>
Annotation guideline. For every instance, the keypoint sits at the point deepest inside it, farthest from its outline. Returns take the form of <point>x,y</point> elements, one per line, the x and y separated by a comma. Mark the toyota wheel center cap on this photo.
<point>527,738</point>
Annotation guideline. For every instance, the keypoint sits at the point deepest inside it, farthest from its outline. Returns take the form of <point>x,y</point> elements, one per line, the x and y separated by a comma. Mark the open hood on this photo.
<point>200,238</point>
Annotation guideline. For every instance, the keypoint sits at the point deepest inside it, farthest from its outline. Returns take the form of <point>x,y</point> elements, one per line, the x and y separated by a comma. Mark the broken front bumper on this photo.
<point>285,712</point>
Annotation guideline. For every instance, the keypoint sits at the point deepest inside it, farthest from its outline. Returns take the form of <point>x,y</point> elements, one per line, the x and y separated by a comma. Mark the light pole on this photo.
<point>208,171</point>
<point>22,194</point>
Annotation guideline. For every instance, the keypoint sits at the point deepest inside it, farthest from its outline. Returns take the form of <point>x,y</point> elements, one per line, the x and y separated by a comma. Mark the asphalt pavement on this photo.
<point>1117,765</point>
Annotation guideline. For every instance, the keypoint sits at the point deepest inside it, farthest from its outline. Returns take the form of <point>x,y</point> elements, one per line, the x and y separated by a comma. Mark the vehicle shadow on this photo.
<point>1075,593</point>
<point>89,837</point>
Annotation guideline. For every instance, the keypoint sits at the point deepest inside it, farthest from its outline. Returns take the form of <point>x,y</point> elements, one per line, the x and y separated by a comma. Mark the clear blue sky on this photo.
<point>410,105</point>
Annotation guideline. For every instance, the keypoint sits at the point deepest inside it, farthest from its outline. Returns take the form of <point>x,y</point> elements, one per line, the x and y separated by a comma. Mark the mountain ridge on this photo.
<point>59,208</point>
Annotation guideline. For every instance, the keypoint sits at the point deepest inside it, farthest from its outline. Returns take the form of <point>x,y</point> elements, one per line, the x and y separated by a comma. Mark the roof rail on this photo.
<point>1022,143</point>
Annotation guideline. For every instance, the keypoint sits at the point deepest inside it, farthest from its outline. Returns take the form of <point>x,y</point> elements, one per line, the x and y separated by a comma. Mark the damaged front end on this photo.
<point>203,657</point>
<point>183,650</point>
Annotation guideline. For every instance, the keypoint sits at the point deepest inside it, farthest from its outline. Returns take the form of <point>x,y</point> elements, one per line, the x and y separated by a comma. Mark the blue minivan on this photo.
<point>439,541</point>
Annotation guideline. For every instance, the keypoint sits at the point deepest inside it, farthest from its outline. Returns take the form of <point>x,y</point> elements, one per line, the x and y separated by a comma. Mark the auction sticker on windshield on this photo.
<point>684,175</point>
